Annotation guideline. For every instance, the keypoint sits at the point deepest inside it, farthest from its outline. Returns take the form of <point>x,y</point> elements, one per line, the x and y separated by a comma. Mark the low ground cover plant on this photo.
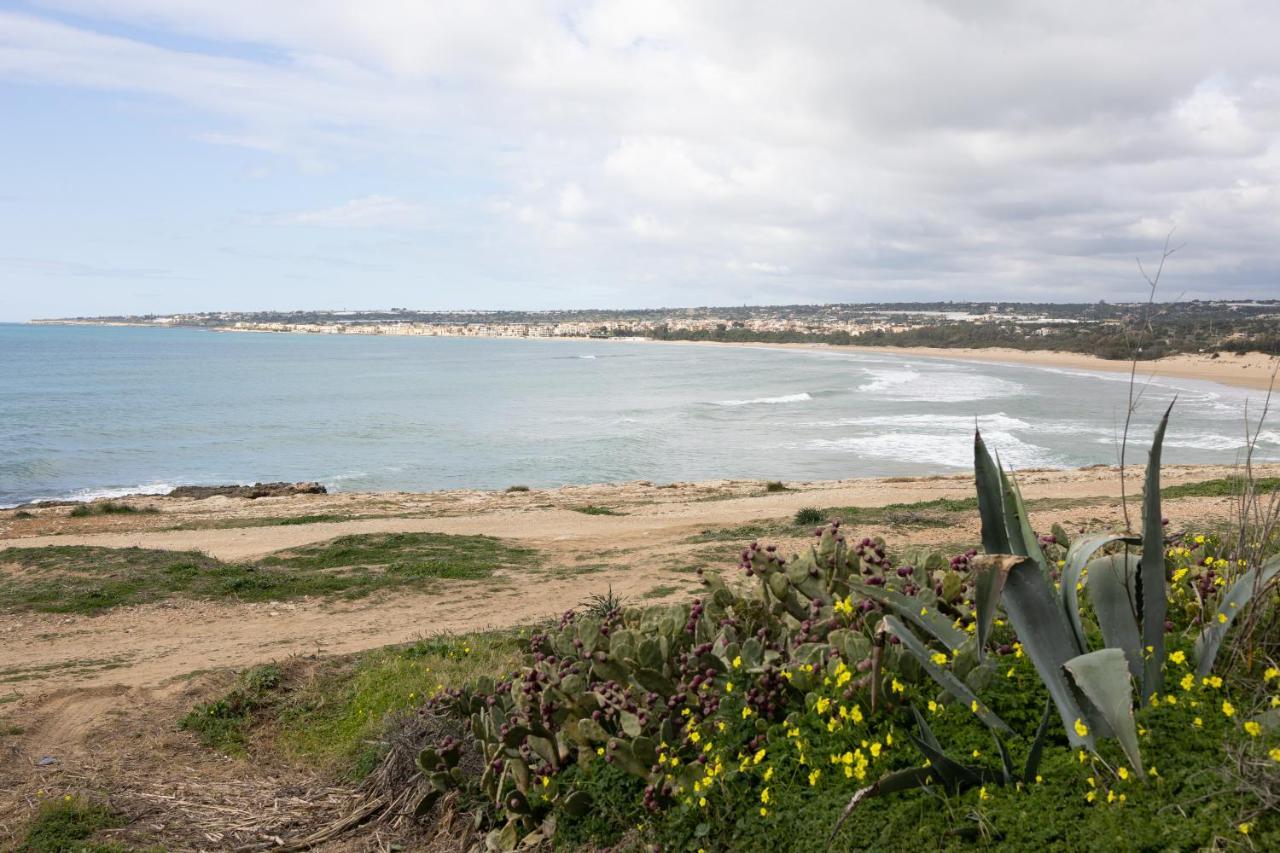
<point>87,579</point>
<point>1053,691</point>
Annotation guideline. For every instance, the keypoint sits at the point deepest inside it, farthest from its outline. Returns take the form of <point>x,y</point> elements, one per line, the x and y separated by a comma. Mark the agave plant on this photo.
<point>1090,688</point>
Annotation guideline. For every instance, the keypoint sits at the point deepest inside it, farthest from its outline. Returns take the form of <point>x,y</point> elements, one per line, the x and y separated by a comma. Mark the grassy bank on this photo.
<point>88,580</point>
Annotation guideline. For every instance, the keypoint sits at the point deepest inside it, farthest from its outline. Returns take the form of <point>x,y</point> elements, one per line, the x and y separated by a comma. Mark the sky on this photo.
<point>159,156</point>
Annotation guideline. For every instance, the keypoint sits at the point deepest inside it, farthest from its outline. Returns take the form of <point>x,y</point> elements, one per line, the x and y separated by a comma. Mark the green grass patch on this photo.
<point>332,715</point>
<point>223,724</point>
<point>267,521</point>
<point>517,488</point>
<point>660,592</point>
<point>66,824</point>
<point>592,509</point>
<point>85,579</point>
<point>1220,488</point>
<point>111,508</point>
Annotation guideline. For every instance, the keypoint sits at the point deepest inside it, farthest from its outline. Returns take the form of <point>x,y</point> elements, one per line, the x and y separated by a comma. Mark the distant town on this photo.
<point>1111,330</point>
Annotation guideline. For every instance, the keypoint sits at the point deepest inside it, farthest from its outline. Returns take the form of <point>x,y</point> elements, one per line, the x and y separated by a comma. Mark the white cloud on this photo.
<point>374,211</point>
<point>841,150</point>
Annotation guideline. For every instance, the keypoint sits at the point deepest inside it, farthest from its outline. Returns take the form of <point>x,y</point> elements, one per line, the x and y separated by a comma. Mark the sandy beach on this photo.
<point>1246,370</point>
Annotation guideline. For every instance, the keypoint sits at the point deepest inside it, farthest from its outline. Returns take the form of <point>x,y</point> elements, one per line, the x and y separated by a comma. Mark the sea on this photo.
<point>89,411</point>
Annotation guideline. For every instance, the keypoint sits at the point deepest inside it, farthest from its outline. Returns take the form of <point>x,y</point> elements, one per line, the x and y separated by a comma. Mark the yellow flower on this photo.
<point>1222,617</point>
<point>1274,755</point>
<point>933,707</point>
<point>1244,828</point>
<point>875,749</point>
<point>758,757</point>
<point>1178,657</point>
<point>896,686</point>
<point>1091,796</point>
<point>973,706</point>
<point>1188,681</point>
<point>764,796</point>
<point>1271,673</point>
<point>1228,709</point>
<point>1123,773</point>
<point>599,750</point>
<point>1152,772</point>
<point>728,687</point>
<point>737,662</point>
<point>982,793</point>
<point>1081,728</point>
<point>939,658</point>
<point>746,712</point>
<point>823,704</point>
<point>814,776</point>
<point>1253,728</point>
<point>768,774</point>
<point>1197,722</point>
<point>763,811</point>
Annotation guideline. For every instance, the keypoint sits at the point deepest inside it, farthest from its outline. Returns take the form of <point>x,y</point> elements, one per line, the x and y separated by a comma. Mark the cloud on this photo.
<point>374,211</point>
<point>830,150</point>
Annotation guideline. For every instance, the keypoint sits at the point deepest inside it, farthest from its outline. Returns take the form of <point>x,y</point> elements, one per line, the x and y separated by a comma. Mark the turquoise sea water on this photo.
<point>88,411</point>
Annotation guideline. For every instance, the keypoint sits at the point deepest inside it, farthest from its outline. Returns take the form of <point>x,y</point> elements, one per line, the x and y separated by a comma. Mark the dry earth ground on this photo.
<point>101,694</point>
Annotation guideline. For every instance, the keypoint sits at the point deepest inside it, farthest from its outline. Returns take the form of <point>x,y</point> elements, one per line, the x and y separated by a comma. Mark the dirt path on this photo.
<point>147,645</point>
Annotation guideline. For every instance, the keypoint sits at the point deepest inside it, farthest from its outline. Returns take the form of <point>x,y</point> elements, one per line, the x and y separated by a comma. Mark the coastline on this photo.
<point>1254,370</point>
<point>1249,370</point>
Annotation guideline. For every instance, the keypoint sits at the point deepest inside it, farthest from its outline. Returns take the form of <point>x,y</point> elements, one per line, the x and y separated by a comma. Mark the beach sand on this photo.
<point>1247,370</point>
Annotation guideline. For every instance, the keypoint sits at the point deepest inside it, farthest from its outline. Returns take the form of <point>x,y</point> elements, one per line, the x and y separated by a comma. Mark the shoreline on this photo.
<point>1253,370</point>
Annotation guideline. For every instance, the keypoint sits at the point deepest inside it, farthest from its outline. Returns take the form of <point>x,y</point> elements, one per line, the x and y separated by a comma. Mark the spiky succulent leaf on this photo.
<point>1022,539</point>
<point>922,616</point>
<point>1037,744</point>
<point>1112,585</point>
<point>995,537</point>
<point>1151,570</point>
<point>948,682</point>
<point>1103,676</point>
<point>988,584</point>
<point>1043,631</point>
<point>899,780</point>
<point>1235,600</point>
<point>1078,556</point>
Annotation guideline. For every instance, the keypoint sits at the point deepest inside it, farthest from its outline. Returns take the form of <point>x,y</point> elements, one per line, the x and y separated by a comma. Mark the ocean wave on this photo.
<point>584,356</point>
<point>957,423</point>
<point>785,398</point>
<point>949,450</point>
<point>954,386</point>
<point>1207,441</point>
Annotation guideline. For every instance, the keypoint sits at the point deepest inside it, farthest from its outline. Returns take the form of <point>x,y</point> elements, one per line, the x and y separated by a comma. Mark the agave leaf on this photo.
<point>1112,589</point>
<point>925,618</point>
<point>1078,556</point>
<point>1151,585</point>
<point>1235,600</point>
<point>1103,676</point>
<point>988,584</point>
<point>949,682</point>
<point>899,780</point>
<point>1037,745</point>
<point>1022,539</point>
<point>1043,631</point>
<point>1006,761</point>
<point>995,538</point>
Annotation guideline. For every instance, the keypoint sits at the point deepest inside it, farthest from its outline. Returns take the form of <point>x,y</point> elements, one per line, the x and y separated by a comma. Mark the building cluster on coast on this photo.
<point>810,320</point>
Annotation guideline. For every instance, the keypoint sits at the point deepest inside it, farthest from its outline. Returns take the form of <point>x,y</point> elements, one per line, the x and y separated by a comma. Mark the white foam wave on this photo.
<point>586,356</point>
<point>785,398</point>
<point>948,450</point>
<point>86,495</point>
<point>937,387</point>
<point>948,423</point>
<point>1208,441</point>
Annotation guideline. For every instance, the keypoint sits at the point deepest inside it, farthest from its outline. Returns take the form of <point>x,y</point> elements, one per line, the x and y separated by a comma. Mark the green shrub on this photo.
<point>65,824</point>
<point>776,486</point>
<point>808,516</point>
